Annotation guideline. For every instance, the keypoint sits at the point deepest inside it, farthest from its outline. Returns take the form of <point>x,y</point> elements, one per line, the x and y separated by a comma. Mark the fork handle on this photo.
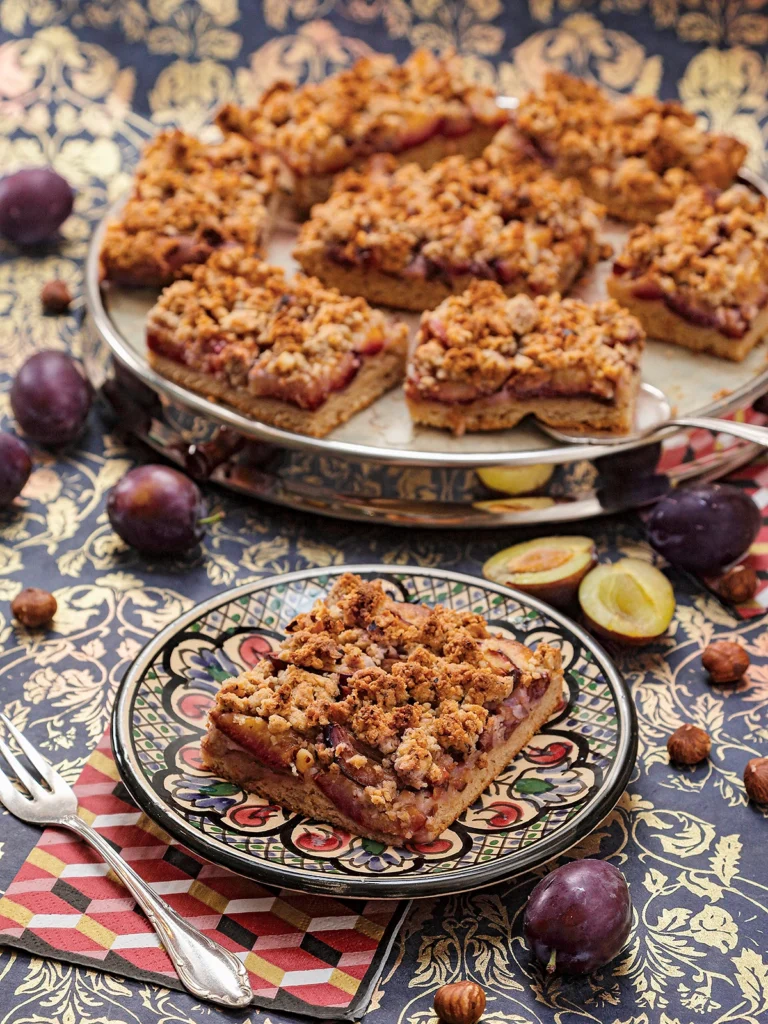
<point>746,431</point>
<point>207,969</point>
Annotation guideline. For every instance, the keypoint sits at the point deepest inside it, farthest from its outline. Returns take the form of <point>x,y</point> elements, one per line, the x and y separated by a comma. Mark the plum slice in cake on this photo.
<point>483,361</point>
<point>290,353</point>
<point>386,718</point>
<point>699,276</point>
<point>635,154</point>
<point>420,110</point>
<point>408,238</point>
<point>188,199</point>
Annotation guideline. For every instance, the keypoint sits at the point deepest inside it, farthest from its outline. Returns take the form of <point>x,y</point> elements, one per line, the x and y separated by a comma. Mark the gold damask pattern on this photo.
<point>79,82</point>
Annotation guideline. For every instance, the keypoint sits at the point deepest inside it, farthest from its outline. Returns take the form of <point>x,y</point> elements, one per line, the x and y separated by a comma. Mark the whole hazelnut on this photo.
<point>738,585</point>
<point>756,780</point>
<point>688,745</point>
<point>461,1002</point>
<point>34,608</point>
<point>56,297</point>
<point>725,661</point>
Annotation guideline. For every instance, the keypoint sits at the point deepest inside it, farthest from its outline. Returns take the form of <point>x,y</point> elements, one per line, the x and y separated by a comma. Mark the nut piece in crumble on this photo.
<point>483,361</point>
<point>635,154</point>
<point>699,276</point>
<point>408,237</point>
<point>188,199</point>
<point>421,110</point>
<point>383,717</point>
<point>291,353</point>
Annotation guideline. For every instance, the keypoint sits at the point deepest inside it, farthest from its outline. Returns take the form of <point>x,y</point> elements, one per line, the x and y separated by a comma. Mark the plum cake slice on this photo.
<point>290,353</point>
<point>699,276</point>
<point>408,238</point>
<point>635,155</point>
<point>420,110</point>
<point>188,199</point>
<point>483,361</point>
<point>385,718</point>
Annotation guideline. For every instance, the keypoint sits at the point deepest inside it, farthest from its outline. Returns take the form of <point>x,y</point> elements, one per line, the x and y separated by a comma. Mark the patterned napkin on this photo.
<point>314,955</point>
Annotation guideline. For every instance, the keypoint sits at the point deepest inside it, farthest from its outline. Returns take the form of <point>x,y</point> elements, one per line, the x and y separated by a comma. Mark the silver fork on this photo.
<point>207,969</point>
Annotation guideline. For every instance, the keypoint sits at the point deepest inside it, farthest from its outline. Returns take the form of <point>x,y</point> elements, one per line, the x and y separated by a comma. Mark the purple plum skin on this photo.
<point>15,467</point>
<point>51,398</point>
<point>581,913</point>
<point>157,510</point>
<point>34,203</point>
<point>704,529</point>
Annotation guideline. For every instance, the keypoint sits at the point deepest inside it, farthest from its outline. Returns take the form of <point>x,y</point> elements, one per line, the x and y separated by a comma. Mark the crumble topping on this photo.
<point>638,150</point>
<point>481,341</point>
<point>708,253</point>
<point>413,688</point>
<point>375,106</point>
<point>189,199</point>
<point>497,217</point>
<point>239,319</point>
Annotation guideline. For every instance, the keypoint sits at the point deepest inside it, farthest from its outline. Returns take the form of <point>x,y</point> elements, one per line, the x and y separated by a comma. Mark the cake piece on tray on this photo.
<point>290,353</point>
<point>188,199</point>
<point>699,276</point>
<point>483,361</point>
<point>635,154</point>
<point>385,718</point>
<point>421,110</point>
<point>408,238</point>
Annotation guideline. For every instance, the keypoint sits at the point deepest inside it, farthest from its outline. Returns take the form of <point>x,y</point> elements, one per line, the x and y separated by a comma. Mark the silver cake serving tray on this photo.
<point>380,467</point>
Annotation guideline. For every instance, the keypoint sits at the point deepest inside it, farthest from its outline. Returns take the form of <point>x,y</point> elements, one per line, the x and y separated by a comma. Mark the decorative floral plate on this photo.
<point>555,791</point>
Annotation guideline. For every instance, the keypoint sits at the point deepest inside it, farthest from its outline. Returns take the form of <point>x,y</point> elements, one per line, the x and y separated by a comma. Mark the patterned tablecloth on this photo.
<point>79,80</point>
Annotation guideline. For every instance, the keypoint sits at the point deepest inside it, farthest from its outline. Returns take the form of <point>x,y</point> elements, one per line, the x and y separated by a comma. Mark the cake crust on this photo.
<point>188,200</point>
<point>383,717</point>
<point>482,361</point>
<point>294,354</point>
<point>699,276</point>
<point>635,154</point>
<point>408,237</point>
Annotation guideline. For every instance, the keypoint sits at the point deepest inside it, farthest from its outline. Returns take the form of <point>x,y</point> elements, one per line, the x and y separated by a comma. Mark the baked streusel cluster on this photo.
<point>504,220</point>
<point>239,318</point>
<point>418,690</point>
<point>188,199</point>
<point>375,106</point>
<point>481,341</point>
<point>638,150</point>
<point>709,252</point>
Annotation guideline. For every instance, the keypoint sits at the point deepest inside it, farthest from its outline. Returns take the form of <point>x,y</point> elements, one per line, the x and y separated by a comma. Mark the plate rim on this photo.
<point>403,887</point>
<point>226,416</point>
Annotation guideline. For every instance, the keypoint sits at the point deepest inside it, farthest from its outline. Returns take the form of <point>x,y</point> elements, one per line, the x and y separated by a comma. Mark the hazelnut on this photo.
<point>462,1002</point>
<point>56,297</point>
<point>688,745</point>
<point>738,585</point>
<point>34,608</point>
<point>726,662</point>
<point>756,780</point>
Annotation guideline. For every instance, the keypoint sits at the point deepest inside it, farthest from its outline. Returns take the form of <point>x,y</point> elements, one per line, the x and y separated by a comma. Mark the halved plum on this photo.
<point>515,480</point>
<point>630,601</point>
<point>506,656</point>
<point>357,762</point>
<point>550,567</point>
<point>351,800</point>
<point>413,614</point>
<point>251,733</point>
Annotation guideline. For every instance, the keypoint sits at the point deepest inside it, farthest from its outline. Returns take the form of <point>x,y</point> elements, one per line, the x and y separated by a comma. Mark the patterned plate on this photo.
<point>554,792</point>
